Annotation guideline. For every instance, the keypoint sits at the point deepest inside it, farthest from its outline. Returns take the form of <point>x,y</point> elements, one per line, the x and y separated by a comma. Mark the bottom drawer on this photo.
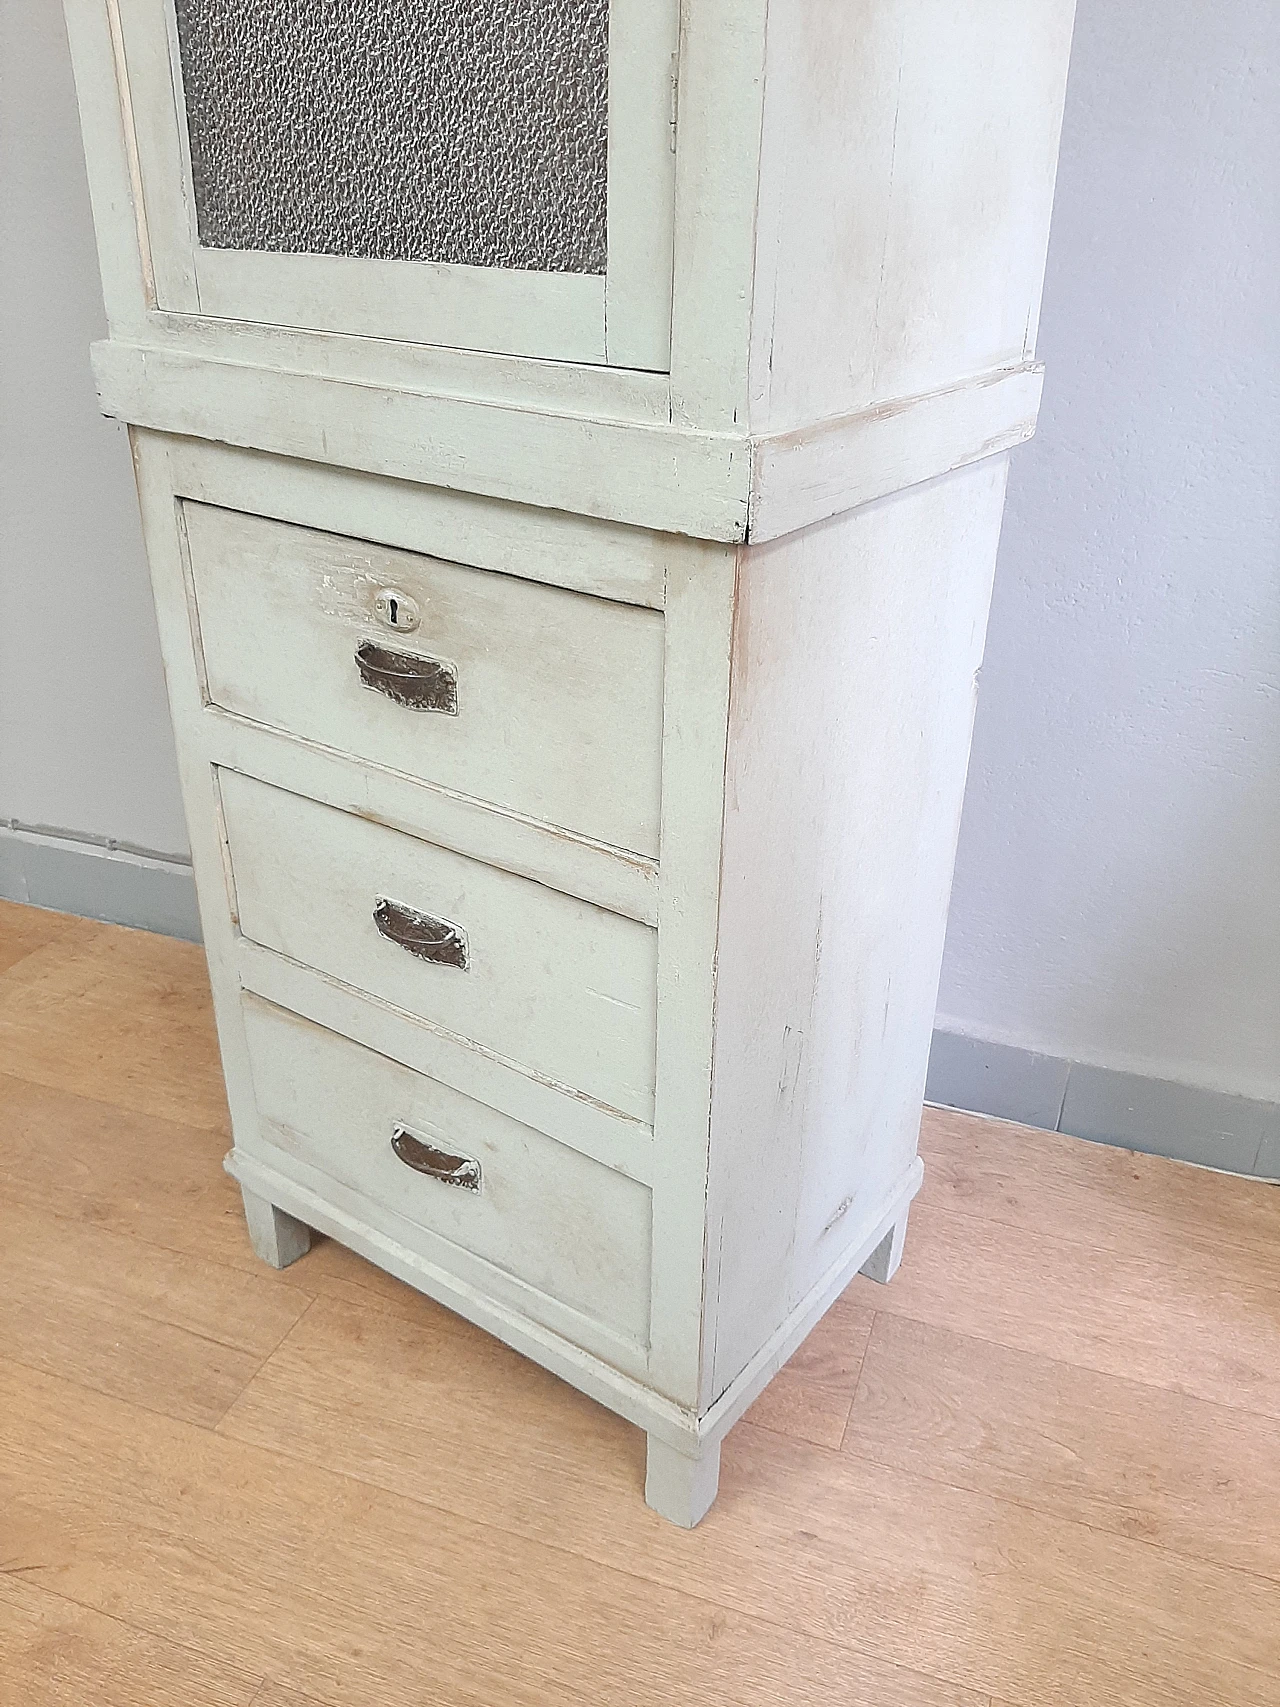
<point>533,1209</point>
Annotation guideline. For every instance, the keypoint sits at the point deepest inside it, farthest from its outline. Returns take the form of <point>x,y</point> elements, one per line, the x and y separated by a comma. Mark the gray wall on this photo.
<point>1117,895</point>
<point>1116,923</point>
<point>84,736</point>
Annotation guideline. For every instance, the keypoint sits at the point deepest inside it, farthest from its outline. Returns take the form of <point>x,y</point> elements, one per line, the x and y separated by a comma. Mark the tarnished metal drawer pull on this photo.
<point>417,933</point>
<point>436,1164</point>
<point>423,684</point>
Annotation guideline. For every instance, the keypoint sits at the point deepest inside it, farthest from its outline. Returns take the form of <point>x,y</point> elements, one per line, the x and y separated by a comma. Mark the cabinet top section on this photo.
<point>790,253</point>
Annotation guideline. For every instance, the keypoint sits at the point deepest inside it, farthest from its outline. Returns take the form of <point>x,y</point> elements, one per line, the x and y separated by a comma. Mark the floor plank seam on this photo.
<point>370,1297</point>
<point>11,1070</point>
<point>1242,1410</point>
<point>253,1270</point>
<point>857,1380</point>
<point>21,961</point>
<point>1249,1245</point>
<point>146,1631</point>
<point>295,1280</point>
<point>210,1339</point>
<point>789,1435</point>
<point>692,1596</point>
<point>1164,1551</point>
<point>303,1698</point>
<point>77,1384</point>
<point>217,1426</point>
<point>1126,1380</point>
<point>1069,1233</point>
<point>223,1128</point>
<point>934,1321</point>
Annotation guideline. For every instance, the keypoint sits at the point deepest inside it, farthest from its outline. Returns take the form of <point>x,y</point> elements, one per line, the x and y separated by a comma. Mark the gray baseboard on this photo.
<point>1236,1134</point>
<point>98,879</point>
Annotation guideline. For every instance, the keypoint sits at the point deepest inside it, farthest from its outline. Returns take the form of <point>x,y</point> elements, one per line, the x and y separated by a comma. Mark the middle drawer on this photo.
<point>548,982</point>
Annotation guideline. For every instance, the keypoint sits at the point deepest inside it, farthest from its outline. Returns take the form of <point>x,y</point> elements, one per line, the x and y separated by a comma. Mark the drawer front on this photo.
<point>553,1219</point>
<point>534,698</point>
<point>552,984</point>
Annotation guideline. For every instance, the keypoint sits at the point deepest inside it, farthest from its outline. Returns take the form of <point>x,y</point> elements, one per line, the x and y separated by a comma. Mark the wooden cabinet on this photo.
<point>571,440</point>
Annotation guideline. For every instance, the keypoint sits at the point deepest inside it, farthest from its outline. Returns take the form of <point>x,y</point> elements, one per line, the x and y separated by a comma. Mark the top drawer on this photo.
<point>551,700</point>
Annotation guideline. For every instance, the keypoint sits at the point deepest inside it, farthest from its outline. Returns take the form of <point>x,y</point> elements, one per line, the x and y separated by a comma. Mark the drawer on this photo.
<point>554,1220</point>
<point>549,983</point>
<point>531,697</point>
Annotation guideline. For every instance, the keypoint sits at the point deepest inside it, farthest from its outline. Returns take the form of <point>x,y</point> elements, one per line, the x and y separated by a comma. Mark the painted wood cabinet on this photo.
<point>571,438</point>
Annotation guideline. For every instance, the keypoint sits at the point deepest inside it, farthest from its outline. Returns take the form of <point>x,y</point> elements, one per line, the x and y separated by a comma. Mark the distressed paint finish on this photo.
<point>552,985</point>
<point>573,748</point>
<point>908,150</point>
<point>550,704</point>
<point>554,1222</point>
<point>856,648</point>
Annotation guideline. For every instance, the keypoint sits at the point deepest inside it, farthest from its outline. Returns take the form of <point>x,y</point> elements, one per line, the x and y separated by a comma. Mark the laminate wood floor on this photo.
<point>1041,1468</point>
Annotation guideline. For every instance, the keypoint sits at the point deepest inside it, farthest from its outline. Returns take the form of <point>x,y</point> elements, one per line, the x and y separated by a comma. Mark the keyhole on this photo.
<point>396,610</point>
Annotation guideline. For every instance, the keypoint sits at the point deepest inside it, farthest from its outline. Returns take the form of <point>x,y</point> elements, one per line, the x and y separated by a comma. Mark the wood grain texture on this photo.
<point>811,1394</point>
<point>939,1579</point>
<point>395,1507</point>
<point>120,1016</point>
<point>1114,1454</point>
<point>1204,1324</point>
<point>345,1592</point>
<point>1112,1199</point>
<point>123,1172</point>
<point>54,1653</point>
<point>25,929</point>
<point>170,1332</point>
<point>273,1694</point>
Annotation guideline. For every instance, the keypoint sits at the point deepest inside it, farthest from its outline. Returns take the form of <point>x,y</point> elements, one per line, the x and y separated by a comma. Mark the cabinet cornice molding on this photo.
<point>731,487</point>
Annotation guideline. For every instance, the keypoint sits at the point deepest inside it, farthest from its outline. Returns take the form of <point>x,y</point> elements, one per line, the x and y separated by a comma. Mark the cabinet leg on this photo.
<point>276,1237</point>
<point>883,1262</point>
<point>681,1486</point>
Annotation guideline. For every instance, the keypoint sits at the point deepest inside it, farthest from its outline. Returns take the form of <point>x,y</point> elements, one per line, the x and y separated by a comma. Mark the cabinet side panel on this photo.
<point>906,180</point>
<point>163,535</point>
<point>856,647</point>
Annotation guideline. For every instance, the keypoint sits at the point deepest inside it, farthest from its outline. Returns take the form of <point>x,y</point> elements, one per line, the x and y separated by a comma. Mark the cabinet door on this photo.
<point>484,174</point>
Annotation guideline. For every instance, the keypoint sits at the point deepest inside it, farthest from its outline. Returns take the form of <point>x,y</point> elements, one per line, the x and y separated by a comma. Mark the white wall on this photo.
<point>84,733</point>
<point>1117,897</point>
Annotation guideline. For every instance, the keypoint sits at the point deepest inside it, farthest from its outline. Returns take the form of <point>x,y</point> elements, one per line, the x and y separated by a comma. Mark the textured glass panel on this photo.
<point>468,131</point>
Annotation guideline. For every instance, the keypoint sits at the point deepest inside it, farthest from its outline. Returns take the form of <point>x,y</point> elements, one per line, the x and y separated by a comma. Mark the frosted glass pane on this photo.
<point>468,131</point>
